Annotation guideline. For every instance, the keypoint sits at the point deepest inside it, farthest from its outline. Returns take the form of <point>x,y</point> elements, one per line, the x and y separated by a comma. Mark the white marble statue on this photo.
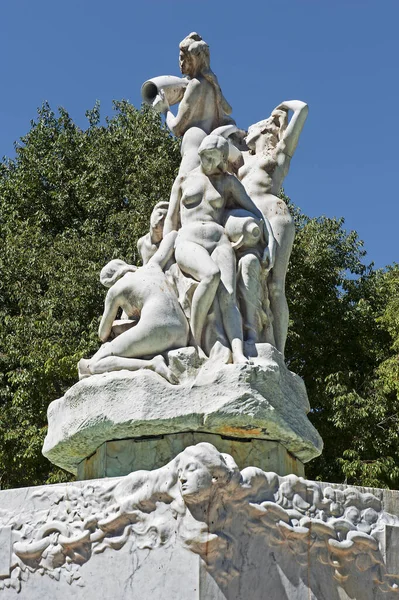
<point>146,294</point>
<point>271,145</point>
<point>149,243</point>
<point>260,161</point>
<point>225,228</point>
<point>203,106</point>
<point>203,249</point>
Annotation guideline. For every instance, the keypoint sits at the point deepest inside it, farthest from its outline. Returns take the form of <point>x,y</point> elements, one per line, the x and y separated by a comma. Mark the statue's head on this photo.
<point>272,128</point>
<point>203,471</point>
<point>158,215</point>
<point>194,55</point>
<point>113,271</point>
<point>214,153</point>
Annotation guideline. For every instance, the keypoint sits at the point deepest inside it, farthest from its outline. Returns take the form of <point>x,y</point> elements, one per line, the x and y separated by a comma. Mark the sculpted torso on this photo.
<point>262,177</point>
<point>217,227</point>
<point>139,291</point>
<point>198,108</point>
<point>201,208</point>
<point>263,174</point>
<point>203,106</point>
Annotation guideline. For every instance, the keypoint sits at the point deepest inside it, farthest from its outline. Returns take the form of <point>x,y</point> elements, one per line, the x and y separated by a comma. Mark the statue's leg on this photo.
<point>250,290</point>
<point>118,363</point>
<point>194,260</point>
<point>224,257</point>
<point>284,232</point>
<point>146,339</point>
<point>214,336</point>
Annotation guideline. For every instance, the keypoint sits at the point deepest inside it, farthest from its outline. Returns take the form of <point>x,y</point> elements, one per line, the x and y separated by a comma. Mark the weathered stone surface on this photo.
<point>120,457</point>
<point>198,528</point>
<point>5,551</point>
<point>263,400</point>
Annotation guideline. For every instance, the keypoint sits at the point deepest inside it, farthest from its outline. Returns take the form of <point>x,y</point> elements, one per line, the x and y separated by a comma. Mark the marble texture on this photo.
<point>172,89</point>
<point>203,105</point>
<point>251,274</point>
<point>150,242</point>
<point>263,401</point>
<point>214,266</point>
<point>271,145</point>
<point>199,527</point>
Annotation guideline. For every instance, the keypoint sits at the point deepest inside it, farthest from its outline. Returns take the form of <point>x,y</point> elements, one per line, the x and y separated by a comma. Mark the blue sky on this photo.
<point>340,56</point>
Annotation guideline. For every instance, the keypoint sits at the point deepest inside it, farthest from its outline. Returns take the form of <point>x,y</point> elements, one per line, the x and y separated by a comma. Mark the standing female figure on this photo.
<point>203,107</point>
<point>202,248</point>
<point>271,144</point>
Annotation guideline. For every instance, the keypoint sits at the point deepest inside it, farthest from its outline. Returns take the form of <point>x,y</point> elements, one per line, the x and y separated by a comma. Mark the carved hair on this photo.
<point>270,125</point>
<point>216,142</point>
<point>221,466</point>
<point>113,271</point>
<point>164,205</point>
<point>199,50</point>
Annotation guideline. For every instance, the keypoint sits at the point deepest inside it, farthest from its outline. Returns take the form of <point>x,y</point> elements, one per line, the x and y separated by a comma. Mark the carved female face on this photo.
<point>196,480</point>
<point>253,134</point>
<point>186,63</point>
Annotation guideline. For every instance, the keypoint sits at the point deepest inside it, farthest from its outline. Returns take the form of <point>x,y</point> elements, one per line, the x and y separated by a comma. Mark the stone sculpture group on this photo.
<point>216,256</point>
<point>207,313</point>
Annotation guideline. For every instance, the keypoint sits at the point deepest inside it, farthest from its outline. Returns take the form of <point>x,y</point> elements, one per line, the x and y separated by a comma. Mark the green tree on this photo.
<point>69,202</point>
<point>344,340</point>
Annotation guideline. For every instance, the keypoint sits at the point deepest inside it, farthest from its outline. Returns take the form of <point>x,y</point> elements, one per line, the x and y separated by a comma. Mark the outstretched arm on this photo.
<point>290,138</point>
<point>172,219</point>
<point>183,120</point>
<point>110,311</point>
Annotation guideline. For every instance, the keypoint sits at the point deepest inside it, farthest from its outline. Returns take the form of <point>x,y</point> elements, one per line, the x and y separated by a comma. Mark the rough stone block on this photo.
<point>262,401</point>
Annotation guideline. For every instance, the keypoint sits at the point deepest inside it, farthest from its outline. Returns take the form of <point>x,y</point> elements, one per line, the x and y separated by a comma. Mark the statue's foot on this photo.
<point>159,365</point>
<point>83,368</point>
<point>240,359</point>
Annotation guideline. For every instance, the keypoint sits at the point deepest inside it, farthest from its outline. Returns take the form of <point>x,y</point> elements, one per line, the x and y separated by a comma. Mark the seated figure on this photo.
<point>145,293</point>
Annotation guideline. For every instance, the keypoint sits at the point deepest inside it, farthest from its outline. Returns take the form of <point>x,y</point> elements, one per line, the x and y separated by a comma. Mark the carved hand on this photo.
<point>160,103</point>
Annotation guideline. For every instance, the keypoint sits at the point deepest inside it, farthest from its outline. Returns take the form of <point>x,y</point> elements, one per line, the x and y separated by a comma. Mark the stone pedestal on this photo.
<point>65,541</point>
<point>255,412</point>
<point>121,457</point>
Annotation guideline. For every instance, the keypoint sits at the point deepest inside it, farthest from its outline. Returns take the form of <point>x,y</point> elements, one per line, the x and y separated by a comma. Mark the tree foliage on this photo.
<point>71,200</point>
<point>344,342</point>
